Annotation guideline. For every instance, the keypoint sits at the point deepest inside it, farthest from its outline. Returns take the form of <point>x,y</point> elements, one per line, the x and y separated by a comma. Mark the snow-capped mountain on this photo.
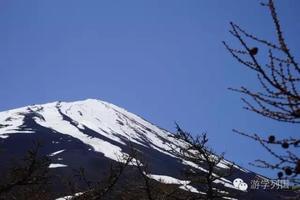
<point>92,133</point>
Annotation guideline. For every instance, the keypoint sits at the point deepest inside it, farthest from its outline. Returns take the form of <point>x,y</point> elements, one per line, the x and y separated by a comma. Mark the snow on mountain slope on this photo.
<point>71,118</point>
<point>91,133</point>
<point>101,117</point>
<point>104,127</point>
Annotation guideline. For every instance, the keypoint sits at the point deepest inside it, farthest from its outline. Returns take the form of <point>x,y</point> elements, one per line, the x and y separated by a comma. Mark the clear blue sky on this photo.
<point>163,60</point>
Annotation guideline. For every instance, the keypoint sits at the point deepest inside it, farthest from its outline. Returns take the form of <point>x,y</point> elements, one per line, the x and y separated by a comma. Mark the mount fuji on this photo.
<point>93,133</point>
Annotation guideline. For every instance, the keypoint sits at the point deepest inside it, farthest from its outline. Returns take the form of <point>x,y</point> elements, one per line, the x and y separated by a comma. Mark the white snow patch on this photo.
<point>190,189</point>
<point>69,197</point>
<point>56,165</point>
<point>167,179</point>
<point>171,180</point>
<point>230,198</point>
<point>57,152</point>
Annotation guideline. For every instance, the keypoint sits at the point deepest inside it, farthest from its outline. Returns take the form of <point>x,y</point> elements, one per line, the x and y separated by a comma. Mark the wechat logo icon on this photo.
<point>240,184</point>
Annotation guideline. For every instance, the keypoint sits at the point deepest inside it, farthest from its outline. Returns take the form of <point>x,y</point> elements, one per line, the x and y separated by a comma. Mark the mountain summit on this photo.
<point>92,134</point>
